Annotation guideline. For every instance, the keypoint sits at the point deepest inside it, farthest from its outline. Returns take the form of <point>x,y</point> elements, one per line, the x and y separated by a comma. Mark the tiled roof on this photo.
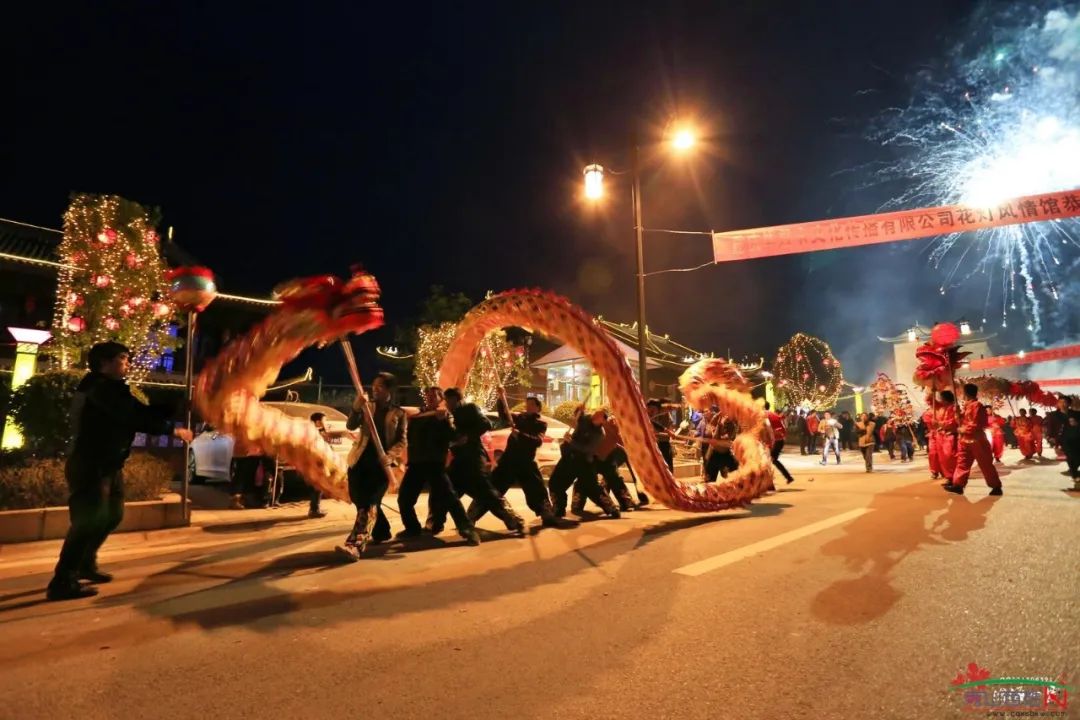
<point>31,244</point>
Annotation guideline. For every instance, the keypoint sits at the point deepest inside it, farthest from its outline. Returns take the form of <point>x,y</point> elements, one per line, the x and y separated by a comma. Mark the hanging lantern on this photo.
<point>102,281</point>
<point>191,288</point>
<point>161,310</point>
<point>76,324</point>
<point>126,310</point>
<point>133,261</point>
<point>137,302</point>
<point>111,323</point>
<point>107,236</point>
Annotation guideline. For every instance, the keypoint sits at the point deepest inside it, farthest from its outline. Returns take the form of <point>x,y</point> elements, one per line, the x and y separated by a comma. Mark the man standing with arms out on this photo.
<point>430,434</point>
<point>945,429</point>
<point>974,447</point>
<point>830,432</point>
<point>104,419</point>
<point>368,476</point>
<point>518,461</point>
<point>469,467</point>
<point>779,434</point>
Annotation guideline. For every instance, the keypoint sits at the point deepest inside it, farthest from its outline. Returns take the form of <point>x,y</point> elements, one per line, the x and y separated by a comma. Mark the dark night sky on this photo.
<point>444,144</point>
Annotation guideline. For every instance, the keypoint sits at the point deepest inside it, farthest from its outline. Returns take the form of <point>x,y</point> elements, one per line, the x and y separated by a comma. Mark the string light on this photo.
<point>497,362</point>
<point>807,373</point>
<point>111,284</point>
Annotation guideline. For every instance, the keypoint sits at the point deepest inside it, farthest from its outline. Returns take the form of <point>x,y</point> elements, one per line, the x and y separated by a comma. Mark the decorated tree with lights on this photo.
<point>112,285</point>
<point>890,398</point>
<point>807,374</point>
<point>498,362</point>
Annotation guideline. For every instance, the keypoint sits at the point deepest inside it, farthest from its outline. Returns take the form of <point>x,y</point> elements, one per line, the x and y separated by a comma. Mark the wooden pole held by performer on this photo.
<point>365,410</point>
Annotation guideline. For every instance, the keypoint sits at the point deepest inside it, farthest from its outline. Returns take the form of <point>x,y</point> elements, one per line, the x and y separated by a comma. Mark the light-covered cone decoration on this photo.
<point>314,311</point>
<point>705,383</point>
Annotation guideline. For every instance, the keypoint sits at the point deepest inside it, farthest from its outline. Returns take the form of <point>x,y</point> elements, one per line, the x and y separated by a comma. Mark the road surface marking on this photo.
<point>733,556</point>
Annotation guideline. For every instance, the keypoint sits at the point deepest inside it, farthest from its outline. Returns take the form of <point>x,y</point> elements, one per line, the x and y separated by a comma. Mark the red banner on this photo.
<point>1060,382</point>
<point>889,227</point>
<point>1035,356</point>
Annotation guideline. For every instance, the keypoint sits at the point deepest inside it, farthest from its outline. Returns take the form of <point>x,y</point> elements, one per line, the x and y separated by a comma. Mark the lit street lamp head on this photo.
<point>683,140</point>
<point>594,181</point>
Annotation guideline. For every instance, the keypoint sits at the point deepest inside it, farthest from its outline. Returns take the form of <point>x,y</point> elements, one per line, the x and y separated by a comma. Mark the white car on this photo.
<point>211,451</point>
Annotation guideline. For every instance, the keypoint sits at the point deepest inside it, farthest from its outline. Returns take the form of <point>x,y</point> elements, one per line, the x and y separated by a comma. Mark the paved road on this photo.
<point>845,595</point>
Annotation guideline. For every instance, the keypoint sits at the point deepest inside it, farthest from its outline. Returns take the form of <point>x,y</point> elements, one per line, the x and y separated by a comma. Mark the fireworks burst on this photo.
<point>1001,121</point>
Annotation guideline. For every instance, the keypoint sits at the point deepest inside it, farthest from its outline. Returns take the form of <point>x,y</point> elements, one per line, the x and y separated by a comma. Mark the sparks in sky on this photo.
<point>1001,120</point>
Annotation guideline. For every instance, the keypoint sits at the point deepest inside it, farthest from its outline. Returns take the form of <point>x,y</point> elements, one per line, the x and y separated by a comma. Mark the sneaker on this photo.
<point>435,529</point>
<point>68,591</point>
<point>824,462</point>
<point>316,514</point>
<point>95,576</point>
<point>408,534</point>
<point>613,513</point>
<point>471,537</point>
<point>954,489</point>
<point>237,502</point>
<point>996,491</point>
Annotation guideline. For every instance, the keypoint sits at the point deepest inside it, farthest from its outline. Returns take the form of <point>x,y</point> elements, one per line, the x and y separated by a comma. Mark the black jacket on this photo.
<point>104,419</point>
<point>471,424</point>
<point>429,439</point>
<point>522,445</point>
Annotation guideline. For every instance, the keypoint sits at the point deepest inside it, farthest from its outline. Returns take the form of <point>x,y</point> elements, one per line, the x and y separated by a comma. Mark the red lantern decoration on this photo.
<point>191,288</point>
<point>74,300</point>
<point>944,334</point>
<point>137,302</point>
<point>806,376</point>
<point>107,236</point>
<point>161,310</point>
<point>150,236</point>
<point>111,323</point>
<point>76,324</point>
<point>126,310</point>
<point>798,358</point>
<point>133,261</point>
<point>102,281</point>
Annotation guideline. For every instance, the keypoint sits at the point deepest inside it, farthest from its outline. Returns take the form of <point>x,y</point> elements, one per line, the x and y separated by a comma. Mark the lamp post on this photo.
<point>27,341</point>
<point>192,289</point>
<point>682,140</point>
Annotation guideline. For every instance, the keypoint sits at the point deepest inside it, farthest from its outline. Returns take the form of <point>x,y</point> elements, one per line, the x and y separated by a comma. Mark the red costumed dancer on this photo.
<point>931,440</point>
<point>973,446</point>
<point>997,436</point>
<point>946,425</point>
<point>1036,431</point>
<point>1024,439</point>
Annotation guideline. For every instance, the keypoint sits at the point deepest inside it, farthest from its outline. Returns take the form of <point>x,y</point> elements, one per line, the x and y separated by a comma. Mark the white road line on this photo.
<point>733,556</point>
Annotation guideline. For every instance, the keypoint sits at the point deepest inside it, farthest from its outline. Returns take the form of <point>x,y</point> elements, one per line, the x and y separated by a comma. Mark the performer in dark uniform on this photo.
<point>610,454</point>
<point>578,463</point>
<point>430,434</point>
<point>368,479</point>
<point>661,423</point>
<point>518,462</point>
<point>469,469</point>
<point>104,419</point>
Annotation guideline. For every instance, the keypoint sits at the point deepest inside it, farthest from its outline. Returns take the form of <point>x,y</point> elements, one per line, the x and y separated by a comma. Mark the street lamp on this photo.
<point>594,181</point>
<point>681,140</point>
<point>912,335</point>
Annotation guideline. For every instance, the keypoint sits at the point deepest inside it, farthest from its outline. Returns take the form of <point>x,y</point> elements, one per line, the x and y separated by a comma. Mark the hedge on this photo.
<point>28,482</point>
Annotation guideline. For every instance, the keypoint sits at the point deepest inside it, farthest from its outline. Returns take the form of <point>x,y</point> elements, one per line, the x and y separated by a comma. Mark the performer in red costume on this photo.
<point>1036,421</point>
<point>973,446</point>
<point>997,435</point>
<point>931,439</point>
<point>945,429</point>
<point>1022,428</point>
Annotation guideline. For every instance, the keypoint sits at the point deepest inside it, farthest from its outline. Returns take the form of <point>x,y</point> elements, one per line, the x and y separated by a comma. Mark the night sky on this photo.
<point>444,144</point>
